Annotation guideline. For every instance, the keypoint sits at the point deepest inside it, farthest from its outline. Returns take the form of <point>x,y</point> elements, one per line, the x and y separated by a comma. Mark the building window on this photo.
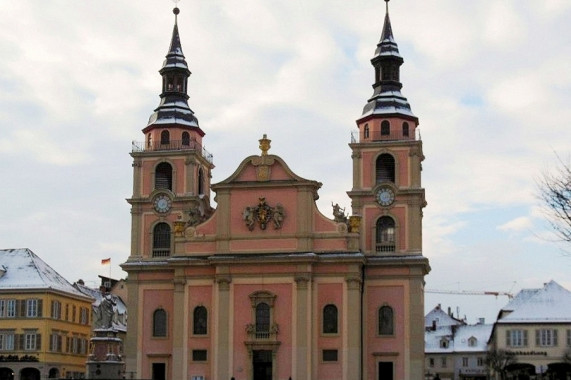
<point>405,129</point>
<point>516,338</point>
<point>330,355</point>
<point>31,308</point>
<point>30,341</point>
<point>262,318</point>
<point>199,355</point>
<point>386,320</point>
<point>385,237</point>
<point>568,338</point>
<point>200,321</point>
<point>464,362</point>
<point>366,131</point>
<point>330,316</point>
<point>431,362</point>
<point>163,176</point>
<point>165,137</point>
<point>385,168</point>
<point>444,343</point>
<point>480,362</point>
<point>185,138</point>
<point>160,323</point>
<point>546,337</point>
<point>10,308</point>
<point>385,128</point>
<point>472,342</point>
<point>149,141</point>
<point>443,362</point>
<point>161,240</point>
<point>6,340</point>
<point>56,310</point>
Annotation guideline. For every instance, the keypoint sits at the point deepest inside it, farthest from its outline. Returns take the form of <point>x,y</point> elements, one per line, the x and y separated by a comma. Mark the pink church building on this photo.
<point>264,286</point>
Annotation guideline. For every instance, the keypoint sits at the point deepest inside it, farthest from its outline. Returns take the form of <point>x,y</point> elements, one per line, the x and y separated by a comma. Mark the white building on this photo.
<point>453,349</point>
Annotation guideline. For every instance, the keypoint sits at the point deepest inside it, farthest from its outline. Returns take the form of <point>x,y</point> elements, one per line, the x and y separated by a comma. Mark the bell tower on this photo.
<point>387,156</point>
<point>171,168</point>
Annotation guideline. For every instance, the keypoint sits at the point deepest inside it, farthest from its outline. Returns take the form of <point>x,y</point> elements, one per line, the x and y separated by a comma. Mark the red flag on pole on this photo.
<point>106,261</point>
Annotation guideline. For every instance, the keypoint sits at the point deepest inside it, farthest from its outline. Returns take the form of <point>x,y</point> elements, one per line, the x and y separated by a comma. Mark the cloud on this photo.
<point>522,223</point>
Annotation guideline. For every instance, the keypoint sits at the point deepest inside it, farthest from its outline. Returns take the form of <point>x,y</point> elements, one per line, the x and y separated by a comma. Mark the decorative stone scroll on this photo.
<point>263,214</point>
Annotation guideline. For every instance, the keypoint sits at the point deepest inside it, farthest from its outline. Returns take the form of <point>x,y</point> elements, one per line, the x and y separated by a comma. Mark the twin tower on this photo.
<point>263,286</point>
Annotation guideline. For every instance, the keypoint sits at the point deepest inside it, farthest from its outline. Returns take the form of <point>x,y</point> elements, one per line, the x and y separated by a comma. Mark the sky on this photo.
<point>489,81</point>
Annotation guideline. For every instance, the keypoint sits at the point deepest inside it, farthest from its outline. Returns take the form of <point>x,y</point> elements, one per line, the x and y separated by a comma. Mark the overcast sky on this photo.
<point>489,81</point>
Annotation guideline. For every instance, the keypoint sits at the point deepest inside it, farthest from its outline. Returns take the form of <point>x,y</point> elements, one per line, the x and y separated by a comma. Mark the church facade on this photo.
<point>264,286</point>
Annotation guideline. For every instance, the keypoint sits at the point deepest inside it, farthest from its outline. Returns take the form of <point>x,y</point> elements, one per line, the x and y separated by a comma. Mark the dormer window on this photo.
<point>444,343</point>
<point>472,342</point>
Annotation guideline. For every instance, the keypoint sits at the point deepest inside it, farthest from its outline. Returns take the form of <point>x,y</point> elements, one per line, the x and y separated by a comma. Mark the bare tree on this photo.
<point>555,192</point>
<point>499,360</point>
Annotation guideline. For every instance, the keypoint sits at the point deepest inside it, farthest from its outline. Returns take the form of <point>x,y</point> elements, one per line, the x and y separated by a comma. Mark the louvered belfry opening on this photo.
<point>385,234</point>
<point>385,168</point>
<point>161,240</point>
<point>163,176</point>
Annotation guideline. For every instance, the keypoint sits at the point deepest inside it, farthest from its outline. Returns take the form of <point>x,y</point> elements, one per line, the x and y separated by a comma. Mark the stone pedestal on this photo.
<point>105,359</point>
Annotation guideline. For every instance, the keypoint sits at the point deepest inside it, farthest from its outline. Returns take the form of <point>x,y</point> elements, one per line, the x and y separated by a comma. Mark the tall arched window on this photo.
<point>366,131</point>
<point>385,236</point>
<point>385,128</point>
<point>386,321</point>
<point>330,317</point>
<point>185,138</point>
<point>165,137</point>
<point>200,323</point>
<point>163,176</point>
<point>149,141</point>
<point>160,323</point>
<point>385,168</point>
<point>161,240</point>
<point>405,129</point>
<point>262,318</point>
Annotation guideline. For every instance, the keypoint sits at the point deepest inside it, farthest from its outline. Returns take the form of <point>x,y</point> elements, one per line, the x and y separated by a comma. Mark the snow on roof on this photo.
<point>552,303</point>
<point>462,338</point>
<point>25,270</point>
<point>441,318</point>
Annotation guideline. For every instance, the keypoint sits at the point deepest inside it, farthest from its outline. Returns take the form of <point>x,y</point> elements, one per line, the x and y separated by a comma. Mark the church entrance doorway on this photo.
<point>262,363</point>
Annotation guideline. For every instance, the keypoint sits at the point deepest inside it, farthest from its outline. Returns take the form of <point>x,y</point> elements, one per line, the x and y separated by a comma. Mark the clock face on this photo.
<point>385,196</point>
<point>162,203</point>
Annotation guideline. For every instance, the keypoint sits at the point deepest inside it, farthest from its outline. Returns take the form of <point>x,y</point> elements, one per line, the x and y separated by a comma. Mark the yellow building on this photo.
<point>45,322</point>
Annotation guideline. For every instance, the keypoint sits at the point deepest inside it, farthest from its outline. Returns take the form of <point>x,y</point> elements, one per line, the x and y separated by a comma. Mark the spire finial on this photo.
<point>387,5</point>
<point>176,11</point>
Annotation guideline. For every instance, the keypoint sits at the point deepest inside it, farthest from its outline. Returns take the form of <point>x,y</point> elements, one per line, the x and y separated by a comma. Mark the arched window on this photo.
<point>262,318</point>
<point>385,168</point>
<point>330,319</point>
<point>366,131</point>
<point>386,321</point>
<point>163,176</point>
<point>161,240</point>
<point>185,138</point>
<point>165,137</point>
<point>385,128</point>
<point>149,141</point>
<point>200,323</point>
<point>405,129</point>
<point>160,323</point>
<point>385,237</point>
<point>200,181</point>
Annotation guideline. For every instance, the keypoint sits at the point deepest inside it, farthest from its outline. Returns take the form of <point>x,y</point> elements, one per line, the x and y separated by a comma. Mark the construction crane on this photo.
<point>470,293</point>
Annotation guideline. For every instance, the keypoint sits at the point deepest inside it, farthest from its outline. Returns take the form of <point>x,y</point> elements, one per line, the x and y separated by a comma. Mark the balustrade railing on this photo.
<point>171,145</point>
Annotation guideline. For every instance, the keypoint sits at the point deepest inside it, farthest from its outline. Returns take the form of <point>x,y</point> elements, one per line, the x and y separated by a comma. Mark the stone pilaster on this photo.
<point>353,327</point>
<point>179,351</point>
<point>222,347</point>
<point>302,368</point>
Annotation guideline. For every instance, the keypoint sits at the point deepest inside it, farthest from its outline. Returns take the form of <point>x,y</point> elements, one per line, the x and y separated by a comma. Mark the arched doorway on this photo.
<point>53,373</point>
<point>520,371</point>
<point>6,373</point>
<point>30,374</point>
<point>559,370</point>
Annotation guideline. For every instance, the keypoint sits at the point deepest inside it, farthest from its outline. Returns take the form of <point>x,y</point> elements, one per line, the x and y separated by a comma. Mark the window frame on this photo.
<point>386,327</point>
<point>157,330</point>
<point>196,328</point>
<point>330,319</point>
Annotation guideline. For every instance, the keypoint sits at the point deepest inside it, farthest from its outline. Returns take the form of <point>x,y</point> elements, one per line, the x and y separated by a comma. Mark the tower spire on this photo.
<point>173,110</point>
<point>387,98</point>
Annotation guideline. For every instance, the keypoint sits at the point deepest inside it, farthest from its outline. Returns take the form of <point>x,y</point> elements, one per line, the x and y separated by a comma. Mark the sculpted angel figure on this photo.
<point>248,217</point>
<point>278,216</point>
